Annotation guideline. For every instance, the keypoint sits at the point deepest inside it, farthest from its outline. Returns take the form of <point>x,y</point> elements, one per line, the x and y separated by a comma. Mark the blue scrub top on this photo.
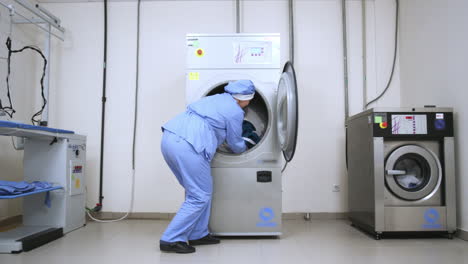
<point>208,122</point>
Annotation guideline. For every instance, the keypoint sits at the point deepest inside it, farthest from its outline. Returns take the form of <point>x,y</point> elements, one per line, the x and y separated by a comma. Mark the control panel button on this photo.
<point>439,124</point>
<point>199,52</point>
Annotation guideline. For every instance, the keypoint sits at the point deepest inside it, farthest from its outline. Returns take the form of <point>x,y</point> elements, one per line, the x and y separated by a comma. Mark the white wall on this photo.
<point>434,63</point>
<point>25,94</point>
<point>76,83</point>
<point>319,161</point>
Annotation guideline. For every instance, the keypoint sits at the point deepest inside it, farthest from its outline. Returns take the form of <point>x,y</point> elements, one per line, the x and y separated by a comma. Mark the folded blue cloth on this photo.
<point>13,188</point>
<point>41,185</point>
<point>9,188</point>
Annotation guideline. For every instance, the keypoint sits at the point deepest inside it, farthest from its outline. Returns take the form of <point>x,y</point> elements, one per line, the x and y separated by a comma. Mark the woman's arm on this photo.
<point>234,133</point>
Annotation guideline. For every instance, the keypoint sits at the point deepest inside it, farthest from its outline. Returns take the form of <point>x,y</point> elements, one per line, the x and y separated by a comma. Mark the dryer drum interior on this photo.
<point>256,113</point>
<point>412,172</point>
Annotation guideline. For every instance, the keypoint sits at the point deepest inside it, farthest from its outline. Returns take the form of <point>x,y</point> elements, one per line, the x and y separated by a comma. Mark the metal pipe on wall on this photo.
<point>47,13</point>
<point>291,59</point>
<point>345,59</point>
<point>291,31</point>
<point>364,55</point>
<point>47,46</point>
<point>27,20</point>
<point>44,16</point>
<point>237,16</point>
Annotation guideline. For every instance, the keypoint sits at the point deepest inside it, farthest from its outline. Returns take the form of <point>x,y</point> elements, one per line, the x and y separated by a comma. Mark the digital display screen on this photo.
<point>256,50</point>
<point>409,124</point>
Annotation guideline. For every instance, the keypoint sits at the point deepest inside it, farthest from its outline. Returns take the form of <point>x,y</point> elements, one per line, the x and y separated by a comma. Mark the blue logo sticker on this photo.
<point>439,124</point>
<point>266,216</point>
<point>431,216</point>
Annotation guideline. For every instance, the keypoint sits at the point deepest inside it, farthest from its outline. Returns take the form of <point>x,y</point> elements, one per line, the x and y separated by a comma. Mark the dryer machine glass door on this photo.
<point>287,107</point>
<point>412,172</point>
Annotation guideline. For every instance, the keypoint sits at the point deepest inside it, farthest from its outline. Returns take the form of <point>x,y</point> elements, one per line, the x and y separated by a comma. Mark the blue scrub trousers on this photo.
<point>193,172</point>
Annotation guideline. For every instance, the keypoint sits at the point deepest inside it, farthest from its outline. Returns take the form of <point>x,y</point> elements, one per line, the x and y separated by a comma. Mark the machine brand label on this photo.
<point>431,217</point>
<point>192,42</point>
<point>439,116</point>
<point>77,147</point>
<point>266,216</point>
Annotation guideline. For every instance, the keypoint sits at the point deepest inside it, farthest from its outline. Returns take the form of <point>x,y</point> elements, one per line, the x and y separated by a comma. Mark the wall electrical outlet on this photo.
<point>336,188</point>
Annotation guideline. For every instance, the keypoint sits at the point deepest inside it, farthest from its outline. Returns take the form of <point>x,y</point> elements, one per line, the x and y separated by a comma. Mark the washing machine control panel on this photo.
<point>415,124</point>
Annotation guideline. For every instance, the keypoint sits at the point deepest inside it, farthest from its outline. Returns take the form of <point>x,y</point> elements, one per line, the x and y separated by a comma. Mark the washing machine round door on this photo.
<point>412,172</point>
<point>287,107</point>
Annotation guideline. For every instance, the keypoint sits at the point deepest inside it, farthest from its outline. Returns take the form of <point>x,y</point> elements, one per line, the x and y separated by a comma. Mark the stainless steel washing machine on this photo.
<point>401,170</point>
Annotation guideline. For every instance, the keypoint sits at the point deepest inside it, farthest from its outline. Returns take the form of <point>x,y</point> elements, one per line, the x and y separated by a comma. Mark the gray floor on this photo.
<point>318,241</point>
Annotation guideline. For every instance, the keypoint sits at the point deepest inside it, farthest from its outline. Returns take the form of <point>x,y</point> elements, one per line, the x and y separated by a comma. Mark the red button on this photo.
<point>199,52</point>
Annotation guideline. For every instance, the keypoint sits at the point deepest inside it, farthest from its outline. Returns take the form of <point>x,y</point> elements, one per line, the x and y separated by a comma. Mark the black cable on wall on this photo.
<point>9,110</point>
<point>103,113</point>
<point>135,122</point>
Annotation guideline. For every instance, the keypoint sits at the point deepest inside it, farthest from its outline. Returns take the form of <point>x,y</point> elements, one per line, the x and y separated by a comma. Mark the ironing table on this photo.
<point>56,156</point>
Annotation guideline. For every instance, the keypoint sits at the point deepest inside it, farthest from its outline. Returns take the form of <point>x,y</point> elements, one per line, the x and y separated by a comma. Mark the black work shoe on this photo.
<point>206,240</point>
<point>177,247</point>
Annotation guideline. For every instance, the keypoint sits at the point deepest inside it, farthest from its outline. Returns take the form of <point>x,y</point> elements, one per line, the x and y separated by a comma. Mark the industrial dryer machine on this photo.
<point>247,187</point>
<point>401,170</point>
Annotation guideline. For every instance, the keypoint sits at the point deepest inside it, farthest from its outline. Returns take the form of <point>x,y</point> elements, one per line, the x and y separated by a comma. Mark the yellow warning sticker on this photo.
<point>77,183</point>
<point>194,76</point>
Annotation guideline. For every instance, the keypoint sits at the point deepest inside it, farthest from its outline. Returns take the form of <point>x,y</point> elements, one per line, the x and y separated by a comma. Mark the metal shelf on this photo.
<point>41,17</point>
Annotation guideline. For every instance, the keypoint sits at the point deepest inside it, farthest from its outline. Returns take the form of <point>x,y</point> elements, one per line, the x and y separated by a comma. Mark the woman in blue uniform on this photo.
<point>188,145</point>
